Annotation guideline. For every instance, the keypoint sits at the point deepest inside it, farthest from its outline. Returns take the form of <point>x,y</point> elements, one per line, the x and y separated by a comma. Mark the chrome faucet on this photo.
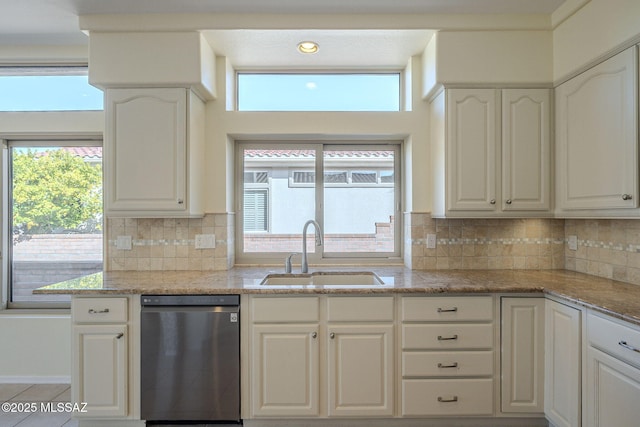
<point>305,264</point>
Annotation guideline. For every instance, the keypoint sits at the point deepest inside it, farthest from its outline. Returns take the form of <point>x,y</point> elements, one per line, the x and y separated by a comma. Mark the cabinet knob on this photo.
<point>492,201</point>
<point>120,335</point>
<point>180,201</point>
<point>626,197</point>
<point>508,201</point>
<point>314,335</point>
<point>332,335</point>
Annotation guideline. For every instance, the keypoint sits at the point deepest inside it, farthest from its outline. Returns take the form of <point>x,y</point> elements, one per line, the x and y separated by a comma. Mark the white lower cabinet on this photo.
<point>447,356</point>
<point>100,356</point>
<point>287,341</point>
<point>563,367</point>
<point>612,373</point>
<point>361,371</point>
<point>522,360</point>
<point>285,366</point>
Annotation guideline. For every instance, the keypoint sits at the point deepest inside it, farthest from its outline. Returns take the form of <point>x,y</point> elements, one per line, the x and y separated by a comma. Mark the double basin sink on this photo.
<point>326,278</point>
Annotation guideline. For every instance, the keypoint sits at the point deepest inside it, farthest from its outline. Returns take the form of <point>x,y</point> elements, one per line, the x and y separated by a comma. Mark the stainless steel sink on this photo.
<point>324,278</point>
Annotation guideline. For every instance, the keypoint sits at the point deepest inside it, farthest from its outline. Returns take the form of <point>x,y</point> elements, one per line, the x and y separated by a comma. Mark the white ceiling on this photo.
<point>55,22</point>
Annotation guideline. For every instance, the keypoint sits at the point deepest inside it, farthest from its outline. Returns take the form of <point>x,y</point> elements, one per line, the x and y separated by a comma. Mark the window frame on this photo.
<point>37,140</point>
<point>320,257</point>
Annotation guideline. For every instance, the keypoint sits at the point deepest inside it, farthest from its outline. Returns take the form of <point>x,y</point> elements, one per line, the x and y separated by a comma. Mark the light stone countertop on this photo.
<point>618,299</point>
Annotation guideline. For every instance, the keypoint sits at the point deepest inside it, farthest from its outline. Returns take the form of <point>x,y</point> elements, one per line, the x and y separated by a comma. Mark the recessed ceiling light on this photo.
<point>308,47</point>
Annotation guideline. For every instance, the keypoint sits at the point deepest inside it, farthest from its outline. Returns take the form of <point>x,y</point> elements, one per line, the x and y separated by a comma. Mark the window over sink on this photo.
<point>351,190</point>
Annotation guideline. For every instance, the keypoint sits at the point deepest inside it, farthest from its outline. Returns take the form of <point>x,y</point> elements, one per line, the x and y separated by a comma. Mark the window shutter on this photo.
<point>256,210</point>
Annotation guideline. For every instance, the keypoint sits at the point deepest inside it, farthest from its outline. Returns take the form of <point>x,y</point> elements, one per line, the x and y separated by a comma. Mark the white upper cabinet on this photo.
<point>491,151</point>
<point>153,151</point>
<point>471,149</point>
<point>597,139</point>
<point>526,174</point>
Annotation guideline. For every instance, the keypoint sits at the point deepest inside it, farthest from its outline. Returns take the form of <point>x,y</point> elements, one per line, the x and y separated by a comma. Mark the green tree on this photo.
<point>54,191</point>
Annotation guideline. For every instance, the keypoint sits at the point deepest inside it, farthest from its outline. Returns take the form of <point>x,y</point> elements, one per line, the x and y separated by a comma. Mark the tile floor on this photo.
<point>35,393</point>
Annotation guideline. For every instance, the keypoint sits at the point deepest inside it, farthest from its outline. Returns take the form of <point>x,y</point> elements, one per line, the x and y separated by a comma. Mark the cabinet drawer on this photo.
<point>447,309</point>
<point>447,397</point>
<point>99,310</point>
<point>614,338</point>
<point>360,309</point>
<point>285,309</point>
<point>447,364</point>
<point>447,336</point>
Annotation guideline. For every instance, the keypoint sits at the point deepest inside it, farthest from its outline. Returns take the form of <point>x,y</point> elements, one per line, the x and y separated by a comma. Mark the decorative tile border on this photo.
<point>165,242</point>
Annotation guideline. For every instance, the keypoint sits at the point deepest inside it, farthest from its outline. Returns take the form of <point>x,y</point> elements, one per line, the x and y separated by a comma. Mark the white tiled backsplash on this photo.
<point>606,248</point>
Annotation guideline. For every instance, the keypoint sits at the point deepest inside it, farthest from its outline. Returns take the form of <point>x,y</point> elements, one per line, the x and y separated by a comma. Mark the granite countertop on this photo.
<point>618,299</point>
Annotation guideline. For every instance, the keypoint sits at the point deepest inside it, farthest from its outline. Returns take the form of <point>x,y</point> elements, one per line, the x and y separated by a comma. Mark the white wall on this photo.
<point>35,348</point>
<point>592,32</point>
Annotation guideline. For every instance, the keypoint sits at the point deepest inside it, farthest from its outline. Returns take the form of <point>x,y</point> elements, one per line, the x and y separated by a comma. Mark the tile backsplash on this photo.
<point>606,248</point>
<point>533,244</point>
<point>169,244</point>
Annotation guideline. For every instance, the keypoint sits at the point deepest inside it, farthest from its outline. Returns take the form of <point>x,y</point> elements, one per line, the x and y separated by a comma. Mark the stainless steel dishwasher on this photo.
<point>190,358</point>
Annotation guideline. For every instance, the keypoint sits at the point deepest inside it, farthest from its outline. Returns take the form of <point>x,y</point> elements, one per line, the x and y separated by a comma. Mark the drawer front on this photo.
<point>447,364</point>
<point>99,310</point>
<point>447,397</point>
<point>360,309</point>
<point>285,309</point>
<point>612,337</point>
<point>447,336</point>
<point>447,309</point>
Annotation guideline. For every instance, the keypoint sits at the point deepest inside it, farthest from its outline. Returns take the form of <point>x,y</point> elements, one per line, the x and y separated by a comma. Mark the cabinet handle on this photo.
<point>626,197</point>
<point>180,201</point>
<point>120,335</point>
<point>508,201</point>
<point>447,310</point>
<point>451,365</point>
<point>492,201</point>
<point>628,347</point>
<point>451,399</point>
<point>92,311</point>
<point>314,335</point>
<point>332,335</point>
<point>441,338</point>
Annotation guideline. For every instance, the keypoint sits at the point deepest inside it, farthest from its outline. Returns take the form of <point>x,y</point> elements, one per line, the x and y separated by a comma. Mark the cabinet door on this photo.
<point>361,370</point>
<point>597,156</point>
<point>613,392</point>
<point>471,149</point>
<point>523,355</point>
<point>145,150</point>
<point>100,369</point>
<point>563,365</point>
<point>285,371</point>
<point>525,149</point>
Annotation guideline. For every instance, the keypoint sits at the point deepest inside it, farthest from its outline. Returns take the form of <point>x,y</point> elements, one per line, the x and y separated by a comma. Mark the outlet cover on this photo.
<point>123,243</point>
<point>205,241</point>
<point>573,243</point>
<point>431,241</point>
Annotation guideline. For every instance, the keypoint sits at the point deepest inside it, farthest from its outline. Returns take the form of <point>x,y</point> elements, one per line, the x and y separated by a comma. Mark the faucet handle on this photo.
<point>287,262</point>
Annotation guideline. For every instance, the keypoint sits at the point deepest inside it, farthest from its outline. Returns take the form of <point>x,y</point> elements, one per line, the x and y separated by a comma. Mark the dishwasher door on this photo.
<point>190,363</point>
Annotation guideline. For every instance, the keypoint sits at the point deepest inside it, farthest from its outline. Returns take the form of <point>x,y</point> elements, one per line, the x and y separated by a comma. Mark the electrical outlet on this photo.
<point>431,241</point>
<point>573,243</point>
<point>205,241</point>
<point>123,243</point>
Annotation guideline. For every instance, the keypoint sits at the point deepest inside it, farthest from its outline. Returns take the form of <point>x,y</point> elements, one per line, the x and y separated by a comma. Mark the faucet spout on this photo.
<point>319,242</point>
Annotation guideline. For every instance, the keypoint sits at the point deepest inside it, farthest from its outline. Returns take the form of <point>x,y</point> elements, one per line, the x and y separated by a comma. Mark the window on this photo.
<point>318,92</point>
<point>355,200</point>
<point>47,89</point>
<point>55,216</point>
